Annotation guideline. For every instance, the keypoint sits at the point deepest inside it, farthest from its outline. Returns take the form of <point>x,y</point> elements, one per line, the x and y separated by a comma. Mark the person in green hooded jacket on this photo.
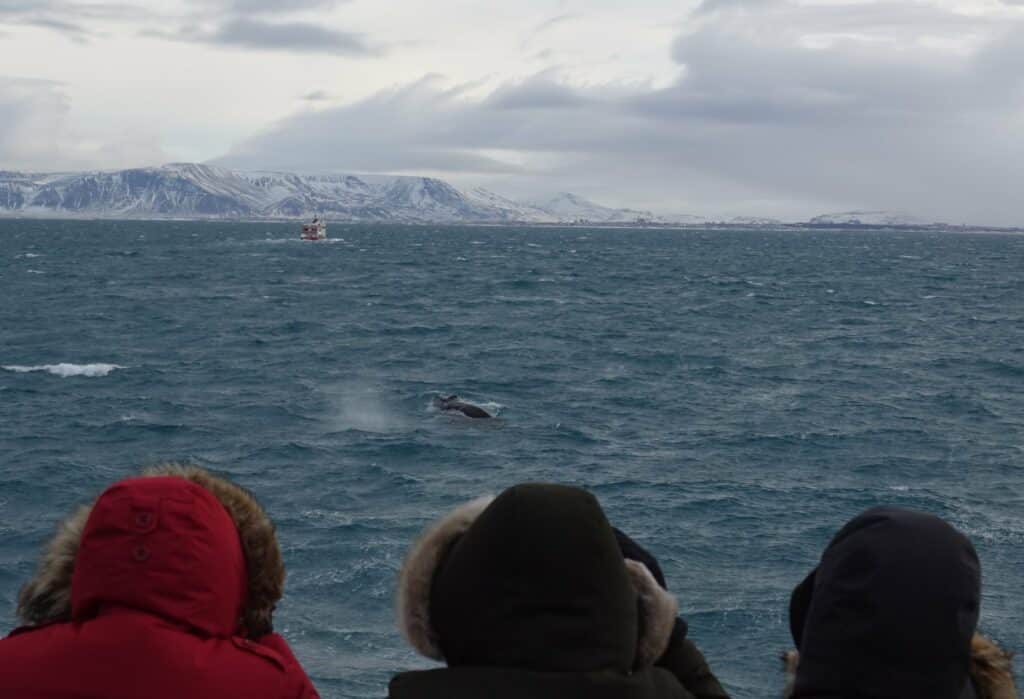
<point>534,594</point>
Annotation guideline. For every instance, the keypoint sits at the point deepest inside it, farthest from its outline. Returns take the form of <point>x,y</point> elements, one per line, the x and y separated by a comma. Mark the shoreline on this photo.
<point>710,226</point>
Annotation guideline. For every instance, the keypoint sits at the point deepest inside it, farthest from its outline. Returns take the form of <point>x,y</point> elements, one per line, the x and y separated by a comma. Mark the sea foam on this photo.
<point>65,369</point>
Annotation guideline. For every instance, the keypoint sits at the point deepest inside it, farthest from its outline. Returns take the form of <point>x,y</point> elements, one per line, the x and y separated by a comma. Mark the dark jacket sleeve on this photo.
<point>684,660</point>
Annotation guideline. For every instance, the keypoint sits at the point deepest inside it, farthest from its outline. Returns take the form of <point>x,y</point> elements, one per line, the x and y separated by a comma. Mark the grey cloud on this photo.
<point>34,136</point>
<point>539,93</point>
<point>280,6</point>
<point>999,65</point>
<point>369,148</point>
<point>57,16</point>
<point>71,10</point>
<point>76,31</point>
<point>731,77</point>
<point>23,105</point>
<point>296,37</point>
<point>316,96</point>
<point>717,5</point>
<point>880,20</point>
<point>227,22</point>
<point>759,123</point>
<point>778,83</point>
<point>19,8</point>
<point>247,7</point>
<point>404,130</point>
<point>73,19</point>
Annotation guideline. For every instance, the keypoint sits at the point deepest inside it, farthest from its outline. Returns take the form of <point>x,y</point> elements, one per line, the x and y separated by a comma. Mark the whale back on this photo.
<point>453,402</point>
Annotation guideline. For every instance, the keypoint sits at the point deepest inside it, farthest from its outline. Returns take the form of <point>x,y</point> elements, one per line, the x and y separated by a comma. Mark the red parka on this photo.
<point>157,604</point>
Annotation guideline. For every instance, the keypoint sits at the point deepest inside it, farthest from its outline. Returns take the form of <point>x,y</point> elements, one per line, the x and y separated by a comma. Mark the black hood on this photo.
<point>889,611</point>
<point>537,582</point>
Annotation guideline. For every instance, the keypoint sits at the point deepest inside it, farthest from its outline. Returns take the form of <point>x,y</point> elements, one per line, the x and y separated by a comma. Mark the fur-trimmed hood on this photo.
<point>412,604</point>
<point>536,568</point>
<point>47,597</point>
<point>991,670</point>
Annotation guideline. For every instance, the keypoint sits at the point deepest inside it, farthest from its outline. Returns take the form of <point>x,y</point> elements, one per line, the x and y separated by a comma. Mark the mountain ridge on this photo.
<point>201,191</point>
<point>193,190</point>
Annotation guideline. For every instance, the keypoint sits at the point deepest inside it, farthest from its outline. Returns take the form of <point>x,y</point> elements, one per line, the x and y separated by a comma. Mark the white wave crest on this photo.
<point>65,369</point>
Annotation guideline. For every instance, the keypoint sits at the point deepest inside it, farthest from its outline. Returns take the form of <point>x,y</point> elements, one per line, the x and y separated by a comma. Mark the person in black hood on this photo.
<point>529,595</point>
<point>891,611</point>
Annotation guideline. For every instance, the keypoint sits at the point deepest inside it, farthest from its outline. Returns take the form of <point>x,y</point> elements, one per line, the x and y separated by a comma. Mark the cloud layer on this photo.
<point>780,108</point>
<point>295,37</point>
<point>251,24</point>
<point>35,134</point>
<point>784,108</point>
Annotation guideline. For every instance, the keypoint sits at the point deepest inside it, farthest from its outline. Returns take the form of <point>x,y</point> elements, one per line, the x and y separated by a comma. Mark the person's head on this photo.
<point>533,579</point>
<point>177,541</point>
<point>889,611</point>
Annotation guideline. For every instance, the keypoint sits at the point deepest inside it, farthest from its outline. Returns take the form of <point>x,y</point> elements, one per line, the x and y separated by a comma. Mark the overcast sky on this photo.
<point>711,107</point>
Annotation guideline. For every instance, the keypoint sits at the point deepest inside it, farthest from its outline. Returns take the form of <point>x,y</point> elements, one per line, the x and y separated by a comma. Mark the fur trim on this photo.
<point>413,598</point>
<point>991,669</point>
<point>47,597</point>
<point>659,608</point>
<point>790,660</point>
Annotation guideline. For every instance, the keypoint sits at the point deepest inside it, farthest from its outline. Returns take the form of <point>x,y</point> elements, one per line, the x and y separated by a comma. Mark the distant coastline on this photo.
<point>197,192</point>
<point>668,226</point>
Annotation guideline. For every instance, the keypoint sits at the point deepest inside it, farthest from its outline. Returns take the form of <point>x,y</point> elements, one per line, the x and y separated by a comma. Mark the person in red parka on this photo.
<point>164,588</point>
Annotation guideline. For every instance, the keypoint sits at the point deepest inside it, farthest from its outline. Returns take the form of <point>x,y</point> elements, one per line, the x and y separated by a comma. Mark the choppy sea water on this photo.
<point>732,397</point>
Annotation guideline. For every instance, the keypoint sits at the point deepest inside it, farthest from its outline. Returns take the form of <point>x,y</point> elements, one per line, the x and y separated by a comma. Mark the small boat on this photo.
<point>315,230</point>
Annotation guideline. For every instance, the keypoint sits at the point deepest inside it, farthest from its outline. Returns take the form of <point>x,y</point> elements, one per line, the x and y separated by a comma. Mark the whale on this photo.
<point>455,404</point>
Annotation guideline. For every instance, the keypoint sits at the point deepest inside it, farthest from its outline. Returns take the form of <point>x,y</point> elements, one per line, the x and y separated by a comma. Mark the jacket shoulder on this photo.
<point>685,661</point>
<point>991,669</point>
<point>276,650</point>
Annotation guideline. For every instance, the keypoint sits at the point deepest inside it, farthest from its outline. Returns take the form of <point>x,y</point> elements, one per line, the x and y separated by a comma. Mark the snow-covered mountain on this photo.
<point>189,190</point>
<point>571,207</point>
<point>516,211</point>
<point>202,191</point>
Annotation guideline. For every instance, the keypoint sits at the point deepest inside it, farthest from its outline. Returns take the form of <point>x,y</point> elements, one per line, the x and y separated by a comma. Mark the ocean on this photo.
<point>731,396</point>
